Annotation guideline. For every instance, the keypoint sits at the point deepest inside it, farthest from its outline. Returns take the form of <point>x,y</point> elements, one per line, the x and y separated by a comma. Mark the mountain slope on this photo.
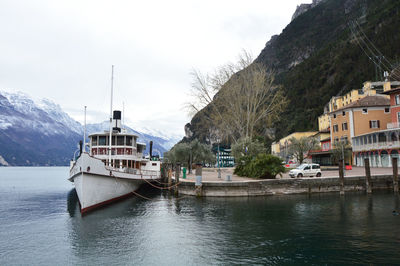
<point>316,57</point>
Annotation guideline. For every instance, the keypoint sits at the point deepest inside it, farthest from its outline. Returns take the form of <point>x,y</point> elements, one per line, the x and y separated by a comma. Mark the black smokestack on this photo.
<point>80,147</point>
<point>151,149</point>
<point>117,120</point>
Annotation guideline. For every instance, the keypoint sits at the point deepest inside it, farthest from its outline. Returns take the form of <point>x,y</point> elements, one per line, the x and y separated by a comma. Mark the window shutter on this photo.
<point>370,124</point>
<point>378,124</point>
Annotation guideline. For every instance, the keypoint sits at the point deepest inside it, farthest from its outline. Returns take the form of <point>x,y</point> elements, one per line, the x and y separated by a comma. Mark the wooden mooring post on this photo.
<point>199,177</point>
<point>341,177</point>
<point>169,176</point>
<point>395,175</point>
<point>368,176</point>
<point>177,173</point>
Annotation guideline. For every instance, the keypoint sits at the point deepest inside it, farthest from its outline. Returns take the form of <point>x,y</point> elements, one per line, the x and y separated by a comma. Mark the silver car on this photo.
<point>306,169</point>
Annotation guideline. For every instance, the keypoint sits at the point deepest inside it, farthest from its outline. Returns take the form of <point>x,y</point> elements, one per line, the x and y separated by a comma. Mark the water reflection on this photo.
<point>72,202</point>
<point>267,230</point>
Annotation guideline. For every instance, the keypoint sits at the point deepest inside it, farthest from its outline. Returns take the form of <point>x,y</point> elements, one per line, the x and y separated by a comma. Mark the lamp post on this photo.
<point>219,167</point>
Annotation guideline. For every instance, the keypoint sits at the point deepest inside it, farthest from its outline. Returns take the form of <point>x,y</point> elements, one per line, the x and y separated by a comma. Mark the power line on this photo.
<point>372,55</point>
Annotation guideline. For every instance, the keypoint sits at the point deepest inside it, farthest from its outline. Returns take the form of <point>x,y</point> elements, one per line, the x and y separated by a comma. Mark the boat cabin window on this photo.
<point>128,141</point>
<point>94,140</point>
<point>120,140</point>
<point>140,148</point>
<point>102,140</point>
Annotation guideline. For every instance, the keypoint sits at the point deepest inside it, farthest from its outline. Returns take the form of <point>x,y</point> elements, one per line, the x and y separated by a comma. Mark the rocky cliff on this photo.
<point>317,57</point>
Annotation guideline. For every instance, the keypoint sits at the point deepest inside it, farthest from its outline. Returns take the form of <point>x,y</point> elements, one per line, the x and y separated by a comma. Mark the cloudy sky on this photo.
<point>63,51</point>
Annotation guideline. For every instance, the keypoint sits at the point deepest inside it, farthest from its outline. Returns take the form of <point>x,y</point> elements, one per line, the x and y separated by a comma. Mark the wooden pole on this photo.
<point>395,175</point>
<point>341,177</point>
<point>368,176</point>
<point>199,177</point>
<point>177,173</point>
<point>169,176</point>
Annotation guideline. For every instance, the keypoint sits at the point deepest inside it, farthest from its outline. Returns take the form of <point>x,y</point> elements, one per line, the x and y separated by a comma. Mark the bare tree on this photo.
<point>242,97</point>
<point>299,147</point>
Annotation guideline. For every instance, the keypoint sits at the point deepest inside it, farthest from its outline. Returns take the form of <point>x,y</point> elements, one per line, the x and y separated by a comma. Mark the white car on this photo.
<point>311,169</point>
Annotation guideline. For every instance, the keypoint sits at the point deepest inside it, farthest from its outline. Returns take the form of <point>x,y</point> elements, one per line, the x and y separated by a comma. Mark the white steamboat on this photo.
<point>113,168</point>
<point>101,178</point>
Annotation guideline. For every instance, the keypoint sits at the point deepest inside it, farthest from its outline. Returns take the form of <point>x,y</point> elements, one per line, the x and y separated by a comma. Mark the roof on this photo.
<point>388,92</point>
<point>367,101</point>
<point>325,139</point>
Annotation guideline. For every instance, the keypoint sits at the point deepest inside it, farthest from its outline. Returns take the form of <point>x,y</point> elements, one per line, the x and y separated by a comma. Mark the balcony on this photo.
<point>393,125</point>
<point>380,140</point>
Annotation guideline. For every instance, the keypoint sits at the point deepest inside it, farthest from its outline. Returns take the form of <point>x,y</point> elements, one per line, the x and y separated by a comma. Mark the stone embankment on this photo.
<point>282,186</point>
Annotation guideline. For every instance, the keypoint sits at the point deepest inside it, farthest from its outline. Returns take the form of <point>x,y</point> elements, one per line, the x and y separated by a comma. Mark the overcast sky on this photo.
<point>63,51</point>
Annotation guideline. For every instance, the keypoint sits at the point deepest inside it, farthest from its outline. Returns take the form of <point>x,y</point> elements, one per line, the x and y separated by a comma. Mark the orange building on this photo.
<point>380,147</point>
<point>366,115</point>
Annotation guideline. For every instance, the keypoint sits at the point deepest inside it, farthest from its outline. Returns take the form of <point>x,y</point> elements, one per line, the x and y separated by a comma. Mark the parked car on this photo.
<point>306,169</point>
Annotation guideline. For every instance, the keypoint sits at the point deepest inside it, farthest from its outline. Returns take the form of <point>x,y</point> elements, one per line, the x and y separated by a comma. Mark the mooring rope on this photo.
<point>161,183</point>
<point>137,194</point>
<point>161,187</point>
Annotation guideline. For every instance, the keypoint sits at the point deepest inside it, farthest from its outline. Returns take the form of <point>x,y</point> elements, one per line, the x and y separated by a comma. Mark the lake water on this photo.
<point>40,223</point>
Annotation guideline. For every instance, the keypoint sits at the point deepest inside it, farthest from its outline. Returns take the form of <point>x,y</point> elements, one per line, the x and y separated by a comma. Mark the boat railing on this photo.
<point>134,171</point>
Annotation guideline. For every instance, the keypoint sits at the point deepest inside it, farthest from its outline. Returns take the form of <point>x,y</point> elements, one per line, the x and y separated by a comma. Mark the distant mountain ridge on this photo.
<point>40,133</point>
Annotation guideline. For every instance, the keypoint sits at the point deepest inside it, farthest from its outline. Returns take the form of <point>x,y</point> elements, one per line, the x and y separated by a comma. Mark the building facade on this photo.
<point>382,145</point>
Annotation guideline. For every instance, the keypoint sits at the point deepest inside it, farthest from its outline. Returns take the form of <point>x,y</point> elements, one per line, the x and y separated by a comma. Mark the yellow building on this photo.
<point>281,147</point>
<point>275,149</point>
<point>339,102</point>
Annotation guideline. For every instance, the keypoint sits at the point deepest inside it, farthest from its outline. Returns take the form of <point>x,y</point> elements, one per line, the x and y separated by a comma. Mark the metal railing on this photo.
<point>393,125</point>
<point>377,146</point>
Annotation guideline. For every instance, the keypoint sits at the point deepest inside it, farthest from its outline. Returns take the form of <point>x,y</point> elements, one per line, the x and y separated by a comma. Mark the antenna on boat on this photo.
<point>123,116</point>
<point>111,116</point>
<point>84,131</point>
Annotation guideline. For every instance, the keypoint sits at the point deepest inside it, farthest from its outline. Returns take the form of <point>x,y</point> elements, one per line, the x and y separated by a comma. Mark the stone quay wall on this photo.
<point>282,186</point>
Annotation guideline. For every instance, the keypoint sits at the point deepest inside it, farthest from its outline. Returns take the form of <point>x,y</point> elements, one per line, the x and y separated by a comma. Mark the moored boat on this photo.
<point>114,167</point>
<point>100,177</point>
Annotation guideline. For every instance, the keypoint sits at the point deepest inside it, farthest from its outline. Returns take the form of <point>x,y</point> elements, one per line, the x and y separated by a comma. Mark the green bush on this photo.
<point>265,166</point>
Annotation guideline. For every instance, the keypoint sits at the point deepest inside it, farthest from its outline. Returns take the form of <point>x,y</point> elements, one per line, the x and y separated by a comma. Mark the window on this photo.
<point>94,141</point>
<point>344,126</point>
<point>128,141</point>
<point>334,115</point>
<point>387,110</point>
<point>315,166</point>
<point>343,113</point>
<point>102,140</point>
<point>335,128</point>
<point>307,168</point>
<point>397,99</point>
<point>374,124</point>
<point>365,111</point>
<point>120,140</point>
<point>398,117</point>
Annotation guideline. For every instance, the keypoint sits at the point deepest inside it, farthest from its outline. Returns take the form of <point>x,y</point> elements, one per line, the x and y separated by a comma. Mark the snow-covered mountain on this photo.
<point>39,132</point>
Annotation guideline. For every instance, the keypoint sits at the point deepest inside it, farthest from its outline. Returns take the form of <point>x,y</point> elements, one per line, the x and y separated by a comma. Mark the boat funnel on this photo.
<point>151,149</point>
<point>117,120</point>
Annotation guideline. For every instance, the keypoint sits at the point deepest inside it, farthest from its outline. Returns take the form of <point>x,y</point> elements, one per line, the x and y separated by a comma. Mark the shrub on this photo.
<point>264,166</point>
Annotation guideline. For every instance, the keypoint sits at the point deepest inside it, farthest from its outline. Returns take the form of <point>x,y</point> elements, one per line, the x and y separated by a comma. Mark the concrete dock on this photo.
<point>355,180</point>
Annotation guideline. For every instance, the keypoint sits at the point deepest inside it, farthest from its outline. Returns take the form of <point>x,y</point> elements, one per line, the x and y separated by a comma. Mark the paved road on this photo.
<point>211,174</point>
<point>356,171</point>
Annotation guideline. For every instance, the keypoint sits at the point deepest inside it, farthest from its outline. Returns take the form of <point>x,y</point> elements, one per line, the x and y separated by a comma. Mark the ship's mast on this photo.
<point>84,132</point>
<point>112,83</point>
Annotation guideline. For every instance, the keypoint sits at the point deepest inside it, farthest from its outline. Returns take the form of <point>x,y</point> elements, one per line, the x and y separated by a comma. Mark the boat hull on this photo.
<point>97,185</point>
<point>95,191</point>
